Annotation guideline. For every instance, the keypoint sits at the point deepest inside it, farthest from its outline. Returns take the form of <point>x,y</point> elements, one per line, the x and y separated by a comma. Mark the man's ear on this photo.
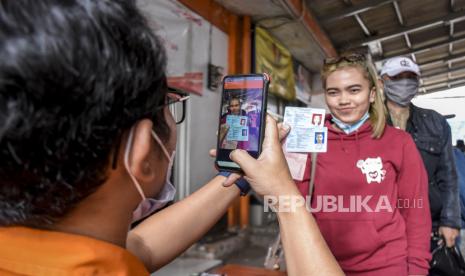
<point>140,162</point>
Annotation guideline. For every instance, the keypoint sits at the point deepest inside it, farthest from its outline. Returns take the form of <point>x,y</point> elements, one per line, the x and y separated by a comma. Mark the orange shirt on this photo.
<point>27,251</point>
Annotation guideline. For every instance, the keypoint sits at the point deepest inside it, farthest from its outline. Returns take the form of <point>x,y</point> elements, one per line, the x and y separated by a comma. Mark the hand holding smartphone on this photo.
<point>241,118</point>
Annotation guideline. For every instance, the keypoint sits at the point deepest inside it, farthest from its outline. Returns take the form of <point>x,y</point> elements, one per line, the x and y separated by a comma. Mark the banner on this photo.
<point>183,32</point>
<point>303,81</point>
<point>273,58</point>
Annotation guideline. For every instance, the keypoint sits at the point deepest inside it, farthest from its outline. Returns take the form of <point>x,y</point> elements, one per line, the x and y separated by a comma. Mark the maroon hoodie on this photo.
<point>379,186</point>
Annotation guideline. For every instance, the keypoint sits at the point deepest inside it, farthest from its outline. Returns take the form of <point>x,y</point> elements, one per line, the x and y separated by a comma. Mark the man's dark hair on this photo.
<point>74,74</point>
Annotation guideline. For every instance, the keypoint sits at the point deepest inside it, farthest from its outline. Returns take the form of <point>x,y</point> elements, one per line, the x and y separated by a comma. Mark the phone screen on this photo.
<point>241,117</point>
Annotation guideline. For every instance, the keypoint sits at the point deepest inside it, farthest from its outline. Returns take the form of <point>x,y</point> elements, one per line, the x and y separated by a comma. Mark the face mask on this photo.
<point>401,91</point>
<point>149,205</point>
<point>353,127</point>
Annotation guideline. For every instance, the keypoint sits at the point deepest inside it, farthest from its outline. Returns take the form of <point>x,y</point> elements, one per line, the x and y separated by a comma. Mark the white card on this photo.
<point>307,132</point>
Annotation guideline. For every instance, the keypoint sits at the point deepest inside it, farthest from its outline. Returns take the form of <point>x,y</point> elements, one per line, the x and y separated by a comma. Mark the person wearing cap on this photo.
<point>432,136</point>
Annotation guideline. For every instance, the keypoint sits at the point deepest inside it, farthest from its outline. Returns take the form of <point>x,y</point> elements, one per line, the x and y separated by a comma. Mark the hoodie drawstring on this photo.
<point>341,138</point>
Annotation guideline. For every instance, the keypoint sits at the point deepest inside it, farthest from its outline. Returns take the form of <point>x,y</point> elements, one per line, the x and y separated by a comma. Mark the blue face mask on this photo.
<point>353,127</point>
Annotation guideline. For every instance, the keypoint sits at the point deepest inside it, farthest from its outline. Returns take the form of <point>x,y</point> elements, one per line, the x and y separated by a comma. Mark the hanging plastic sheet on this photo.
<point>183,33</point>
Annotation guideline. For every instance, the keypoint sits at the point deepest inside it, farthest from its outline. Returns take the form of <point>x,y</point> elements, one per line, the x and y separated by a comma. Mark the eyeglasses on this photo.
<point>176,102</point>
<point>352,58</point>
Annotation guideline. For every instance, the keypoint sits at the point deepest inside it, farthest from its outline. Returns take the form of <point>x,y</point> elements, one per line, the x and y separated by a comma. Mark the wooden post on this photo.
<point>233,68</point>
<point>246,69</point>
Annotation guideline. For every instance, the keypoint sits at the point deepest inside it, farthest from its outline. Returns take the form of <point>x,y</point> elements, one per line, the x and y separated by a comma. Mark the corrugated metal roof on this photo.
<point>432,32</point>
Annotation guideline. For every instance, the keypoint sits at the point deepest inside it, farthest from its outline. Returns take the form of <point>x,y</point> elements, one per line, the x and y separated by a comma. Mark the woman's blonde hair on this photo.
<point>377,109</point>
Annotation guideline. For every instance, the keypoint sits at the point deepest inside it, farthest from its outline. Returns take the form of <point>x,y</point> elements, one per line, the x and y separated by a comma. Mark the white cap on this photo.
<point>397,65</point>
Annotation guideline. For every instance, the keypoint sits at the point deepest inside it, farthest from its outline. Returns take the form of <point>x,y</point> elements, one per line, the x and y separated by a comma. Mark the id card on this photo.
<point>307,131</point>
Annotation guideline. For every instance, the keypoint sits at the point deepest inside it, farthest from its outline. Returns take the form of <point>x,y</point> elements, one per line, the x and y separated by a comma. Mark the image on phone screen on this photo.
<point>240,117</point>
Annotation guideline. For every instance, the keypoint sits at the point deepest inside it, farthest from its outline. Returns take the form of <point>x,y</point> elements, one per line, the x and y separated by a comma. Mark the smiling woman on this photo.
<point>370,162</point>
<point>349,96</point>
<point>352,91</point>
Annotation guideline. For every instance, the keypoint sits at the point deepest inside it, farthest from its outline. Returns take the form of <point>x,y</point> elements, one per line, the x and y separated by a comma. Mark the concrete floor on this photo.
<point>245,247</point>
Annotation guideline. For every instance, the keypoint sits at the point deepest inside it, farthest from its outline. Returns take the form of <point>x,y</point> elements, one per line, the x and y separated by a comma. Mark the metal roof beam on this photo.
<point>451,34</point>
<point>446,86</point>
<point>407,41</point>
<point>362,25</point>
<point>423,48</point>
<point>457,81</point>
<point>398,13</point>
<point>365,6</point>
<point>359,20</point>
<point>401,21</point>
<point>434,73</point>
<point>452,17</point>
<point>442,81</point>
<point>449,58</point>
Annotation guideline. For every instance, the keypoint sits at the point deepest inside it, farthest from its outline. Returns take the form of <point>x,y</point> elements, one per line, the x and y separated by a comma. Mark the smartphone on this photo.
<point>241,117</point>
